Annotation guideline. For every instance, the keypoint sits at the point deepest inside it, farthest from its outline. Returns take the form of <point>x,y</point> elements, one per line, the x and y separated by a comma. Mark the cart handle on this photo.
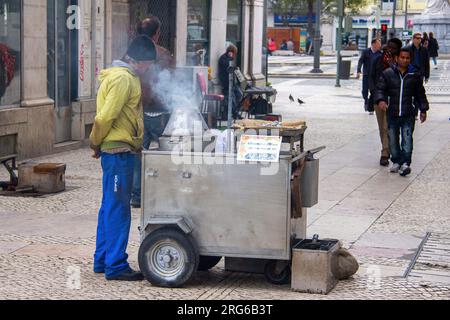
<point>316,150</point>
<point>300,156</point>
<point>309,155</point>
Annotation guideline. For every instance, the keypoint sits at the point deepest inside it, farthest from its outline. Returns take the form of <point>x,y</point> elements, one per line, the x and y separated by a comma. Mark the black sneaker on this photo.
<point>404,170</point>
<point>384,161</point>
<point>127,276</point>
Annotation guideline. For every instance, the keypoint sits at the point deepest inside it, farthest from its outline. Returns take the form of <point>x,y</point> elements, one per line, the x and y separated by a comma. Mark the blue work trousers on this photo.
<point>114,220</point>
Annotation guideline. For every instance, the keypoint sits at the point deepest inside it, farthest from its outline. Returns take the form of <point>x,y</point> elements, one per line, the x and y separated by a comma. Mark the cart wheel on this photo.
<point>208,262</point>
<point>276,276</point>
<point>168,258</point>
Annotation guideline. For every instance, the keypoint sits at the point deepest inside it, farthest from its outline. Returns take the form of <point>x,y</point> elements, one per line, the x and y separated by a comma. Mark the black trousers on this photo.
<point>368,100</point>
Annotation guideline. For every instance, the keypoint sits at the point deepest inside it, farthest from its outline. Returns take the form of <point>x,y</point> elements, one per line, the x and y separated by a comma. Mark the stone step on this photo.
<point>68,146</point>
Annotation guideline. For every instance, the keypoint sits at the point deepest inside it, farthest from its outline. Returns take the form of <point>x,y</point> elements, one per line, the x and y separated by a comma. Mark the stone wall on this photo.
<point>33,128</point>
<point>439,25</point>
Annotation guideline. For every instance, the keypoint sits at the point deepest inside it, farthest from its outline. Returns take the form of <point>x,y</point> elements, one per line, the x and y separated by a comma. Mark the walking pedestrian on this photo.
<point>290,45</point>
<point>433,49</point>
<point>224,77</point>
<point>397,89</point>
<point>364,67</point>
<point>116,138</point>
<point>420,57</point>
<point>272,46</point>
<point>425,40</point>
<point>155,111</point>
<point>382,62</point>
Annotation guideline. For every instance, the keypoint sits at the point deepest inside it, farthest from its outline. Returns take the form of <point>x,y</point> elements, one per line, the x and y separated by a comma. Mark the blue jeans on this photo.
<point>114,219</point>
<point>434,60</point>
<point>403,127</point>
<point>153,129</point>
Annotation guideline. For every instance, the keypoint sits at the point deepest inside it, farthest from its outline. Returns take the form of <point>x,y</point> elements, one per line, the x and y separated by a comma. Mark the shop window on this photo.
<point>355,40</point>
<point>198,32</point>
<point>10,78</point>
<point>165,10</point>
<point>59,53</point>
<point>234,25</point>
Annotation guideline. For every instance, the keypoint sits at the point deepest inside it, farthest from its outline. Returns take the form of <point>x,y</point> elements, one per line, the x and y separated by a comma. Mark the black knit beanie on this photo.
<point>142,48</point>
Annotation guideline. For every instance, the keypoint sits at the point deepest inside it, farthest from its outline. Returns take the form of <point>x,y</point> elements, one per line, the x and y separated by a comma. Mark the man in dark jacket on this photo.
<point>380,63</point>
<point>433,49</point>
<point>420,57</point>
<point>399,91</point>
<point>224,63</point>
<point>365,64</point>
<point>156,111</point>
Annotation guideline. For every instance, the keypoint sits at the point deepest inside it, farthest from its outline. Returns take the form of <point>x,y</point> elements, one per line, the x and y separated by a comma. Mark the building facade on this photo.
<point>53,50</point>
<point>367,24</point>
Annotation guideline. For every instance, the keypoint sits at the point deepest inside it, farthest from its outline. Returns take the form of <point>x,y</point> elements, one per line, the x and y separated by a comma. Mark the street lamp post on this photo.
<point>406,15</point>
<point>339,42</point>
<point>393,16</point>
<point>266,10</point>
<point>317,39</point>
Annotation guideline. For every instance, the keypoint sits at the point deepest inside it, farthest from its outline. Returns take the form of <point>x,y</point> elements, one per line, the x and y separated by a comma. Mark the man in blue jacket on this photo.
<point>420,57</point>
<point>399,91</point>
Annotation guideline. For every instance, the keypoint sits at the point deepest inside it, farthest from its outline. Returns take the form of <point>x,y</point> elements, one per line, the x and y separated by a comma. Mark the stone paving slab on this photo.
<point>35,277</point>
<point>8,247</point>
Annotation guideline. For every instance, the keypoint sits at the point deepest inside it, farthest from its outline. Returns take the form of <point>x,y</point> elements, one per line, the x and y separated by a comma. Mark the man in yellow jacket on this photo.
<point>116,138</point>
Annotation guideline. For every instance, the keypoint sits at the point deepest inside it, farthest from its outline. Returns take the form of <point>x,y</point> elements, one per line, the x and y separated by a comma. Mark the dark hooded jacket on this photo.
<point>402,92</point>
<point>380,62</point>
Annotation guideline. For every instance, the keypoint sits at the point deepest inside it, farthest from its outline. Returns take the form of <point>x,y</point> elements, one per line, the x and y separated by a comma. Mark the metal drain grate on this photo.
<point>432,260</point>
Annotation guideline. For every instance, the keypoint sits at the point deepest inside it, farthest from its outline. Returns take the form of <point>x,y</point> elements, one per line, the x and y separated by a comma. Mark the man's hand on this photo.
<point>426,81</point>
<point>96,150</point>
<point>383,105</point>
<point>423,117</point>
<point>358,75</point>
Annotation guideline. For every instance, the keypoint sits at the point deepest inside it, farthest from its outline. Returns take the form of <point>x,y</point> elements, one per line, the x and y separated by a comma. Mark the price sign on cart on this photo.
<point>259,148</point>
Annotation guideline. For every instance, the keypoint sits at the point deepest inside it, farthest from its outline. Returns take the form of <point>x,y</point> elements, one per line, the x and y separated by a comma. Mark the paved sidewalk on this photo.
<point>383,218</point>
<point>300,66</point>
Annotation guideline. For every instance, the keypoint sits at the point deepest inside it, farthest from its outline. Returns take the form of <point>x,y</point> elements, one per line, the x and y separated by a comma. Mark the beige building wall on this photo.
<point>30,127</point>
<point>416,5</point>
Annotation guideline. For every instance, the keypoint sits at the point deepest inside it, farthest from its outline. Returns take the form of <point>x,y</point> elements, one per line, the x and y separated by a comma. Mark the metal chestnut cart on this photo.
<point>200,207</point>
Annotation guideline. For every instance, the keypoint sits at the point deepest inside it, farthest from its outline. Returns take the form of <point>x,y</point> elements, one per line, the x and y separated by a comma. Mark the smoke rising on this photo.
<point>175,89</point>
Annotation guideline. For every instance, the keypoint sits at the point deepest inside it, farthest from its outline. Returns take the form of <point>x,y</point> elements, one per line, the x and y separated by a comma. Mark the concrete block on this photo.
<point>44,178</point>
<point>312,269</point>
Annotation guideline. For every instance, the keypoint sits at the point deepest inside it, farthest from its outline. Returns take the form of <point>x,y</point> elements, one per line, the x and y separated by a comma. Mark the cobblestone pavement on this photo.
<point>46,242</point>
